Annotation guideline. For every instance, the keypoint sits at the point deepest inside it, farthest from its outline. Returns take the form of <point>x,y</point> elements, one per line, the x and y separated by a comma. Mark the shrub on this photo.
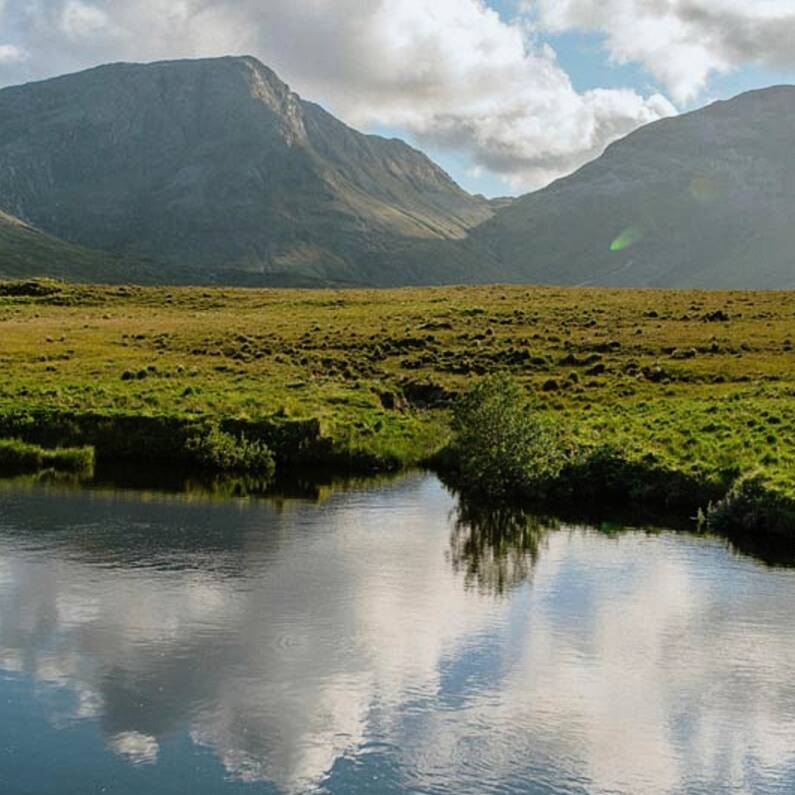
<point>752,506</point>
<point>501,449</point>
<point>608,474</point>
<point>217,451</point>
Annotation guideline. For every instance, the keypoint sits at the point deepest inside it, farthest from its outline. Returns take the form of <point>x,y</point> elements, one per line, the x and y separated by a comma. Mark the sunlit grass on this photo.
<point>17,457</point>
<point>704,383</point>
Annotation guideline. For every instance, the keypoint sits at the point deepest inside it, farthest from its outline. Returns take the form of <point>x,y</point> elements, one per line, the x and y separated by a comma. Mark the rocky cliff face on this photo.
<point>216,164</point>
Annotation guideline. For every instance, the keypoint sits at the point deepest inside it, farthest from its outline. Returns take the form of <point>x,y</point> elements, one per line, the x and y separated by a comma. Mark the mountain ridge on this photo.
<point>215,171</point>
<point>215,163</point>
<point>705,199</point>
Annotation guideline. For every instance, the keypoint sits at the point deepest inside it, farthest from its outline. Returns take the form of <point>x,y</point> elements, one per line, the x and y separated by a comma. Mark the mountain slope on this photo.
<point>706,199</point>
<point>216,164</point>
<point>25,252</point>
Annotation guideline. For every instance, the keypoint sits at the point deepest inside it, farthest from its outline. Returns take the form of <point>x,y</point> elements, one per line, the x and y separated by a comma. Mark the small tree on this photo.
<point>502,449</point>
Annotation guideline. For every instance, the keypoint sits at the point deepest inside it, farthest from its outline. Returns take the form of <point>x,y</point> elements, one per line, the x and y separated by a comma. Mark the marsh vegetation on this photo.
<point>19,457</point>
<point>673,397</point>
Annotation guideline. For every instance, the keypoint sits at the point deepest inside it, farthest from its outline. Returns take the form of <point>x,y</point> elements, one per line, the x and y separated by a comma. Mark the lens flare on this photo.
<point>627,238</point>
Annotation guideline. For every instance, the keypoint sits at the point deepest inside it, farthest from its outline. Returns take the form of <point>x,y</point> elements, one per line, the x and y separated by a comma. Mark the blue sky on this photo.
<point>584,58</point>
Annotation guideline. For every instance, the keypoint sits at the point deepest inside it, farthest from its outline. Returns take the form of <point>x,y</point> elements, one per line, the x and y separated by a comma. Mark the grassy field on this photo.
<point>697,383</point>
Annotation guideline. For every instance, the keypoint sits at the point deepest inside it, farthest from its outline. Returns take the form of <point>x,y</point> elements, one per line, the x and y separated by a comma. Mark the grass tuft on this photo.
<point>17,457</point>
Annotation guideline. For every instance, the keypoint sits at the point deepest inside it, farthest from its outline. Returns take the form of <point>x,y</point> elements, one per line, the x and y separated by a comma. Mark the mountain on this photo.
<point>25,252</point>
<point>213,171</point>
<point>215,164</point>
<point>706,199</point>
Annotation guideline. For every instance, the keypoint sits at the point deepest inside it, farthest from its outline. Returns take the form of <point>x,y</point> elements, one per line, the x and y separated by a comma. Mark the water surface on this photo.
<point>380,642</point>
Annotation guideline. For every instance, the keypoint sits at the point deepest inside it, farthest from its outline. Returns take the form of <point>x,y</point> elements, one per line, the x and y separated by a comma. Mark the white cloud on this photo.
<point>681,42</point>
<point>82,21</point>
<point>449,71</point>
<point>11,54</point>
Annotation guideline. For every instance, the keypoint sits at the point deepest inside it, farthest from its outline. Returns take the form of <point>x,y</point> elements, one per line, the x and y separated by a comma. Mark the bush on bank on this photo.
<point>215,450</point>
<point>501,451</point>
<point>752,506</point>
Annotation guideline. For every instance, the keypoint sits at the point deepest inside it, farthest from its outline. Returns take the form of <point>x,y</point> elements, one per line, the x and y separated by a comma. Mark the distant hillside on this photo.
<point>216,164</point>
<point>706,199</point>
<point>27,252</point>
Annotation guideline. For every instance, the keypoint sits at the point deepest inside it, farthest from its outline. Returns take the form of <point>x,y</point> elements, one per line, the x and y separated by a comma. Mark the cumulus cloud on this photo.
<point>450,72</point>
<point>681,42</point>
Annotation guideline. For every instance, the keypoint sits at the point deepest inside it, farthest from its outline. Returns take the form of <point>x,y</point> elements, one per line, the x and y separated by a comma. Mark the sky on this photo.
<point>507,95</point>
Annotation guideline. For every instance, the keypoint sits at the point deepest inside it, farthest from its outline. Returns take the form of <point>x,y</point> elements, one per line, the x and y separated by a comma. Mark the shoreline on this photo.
<point>596,485</point>
<point>130,482</point>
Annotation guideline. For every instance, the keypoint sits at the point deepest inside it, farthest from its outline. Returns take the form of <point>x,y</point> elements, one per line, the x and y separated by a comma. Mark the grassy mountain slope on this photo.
<point>25,252</point>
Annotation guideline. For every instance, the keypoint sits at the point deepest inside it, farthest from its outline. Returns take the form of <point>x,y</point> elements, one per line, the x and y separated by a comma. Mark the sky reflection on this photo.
<point>360,645</point>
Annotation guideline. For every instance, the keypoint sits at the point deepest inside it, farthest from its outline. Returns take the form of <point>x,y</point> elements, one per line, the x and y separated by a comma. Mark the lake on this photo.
<point>381,640</point>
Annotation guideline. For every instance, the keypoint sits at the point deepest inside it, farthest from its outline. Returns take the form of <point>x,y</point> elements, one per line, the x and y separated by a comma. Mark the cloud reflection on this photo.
<point>654,664</point>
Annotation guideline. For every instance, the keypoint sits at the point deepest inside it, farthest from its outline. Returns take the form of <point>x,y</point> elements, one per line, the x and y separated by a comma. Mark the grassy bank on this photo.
<point>505,451</point>
<point>696,388</point>
<point>17,457</point>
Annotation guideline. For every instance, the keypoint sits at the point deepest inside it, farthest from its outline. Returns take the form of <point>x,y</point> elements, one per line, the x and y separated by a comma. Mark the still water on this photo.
<point>379,641</point>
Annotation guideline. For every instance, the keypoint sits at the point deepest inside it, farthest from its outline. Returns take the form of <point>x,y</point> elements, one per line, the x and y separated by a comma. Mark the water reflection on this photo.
<point>169,646</point>
<point>495,548</point>
<point>157,482</point>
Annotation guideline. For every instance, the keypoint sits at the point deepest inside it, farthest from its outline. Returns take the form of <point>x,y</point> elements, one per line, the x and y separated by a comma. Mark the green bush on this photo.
<point>501,448</point>
<point>606,474</point>
<point>753,506</point>
<point>218,451</point>
<point>17,457</point>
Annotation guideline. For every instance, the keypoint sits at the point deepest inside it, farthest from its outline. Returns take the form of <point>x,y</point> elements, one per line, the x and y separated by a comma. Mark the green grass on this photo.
<point>698,384</point>
<point>505,452</point>
<point>18,457</point>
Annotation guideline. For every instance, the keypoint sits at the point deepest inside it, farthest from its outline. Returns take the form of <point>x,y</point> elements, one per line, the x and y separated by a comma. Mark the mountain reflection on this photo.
<point>333,648</point>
